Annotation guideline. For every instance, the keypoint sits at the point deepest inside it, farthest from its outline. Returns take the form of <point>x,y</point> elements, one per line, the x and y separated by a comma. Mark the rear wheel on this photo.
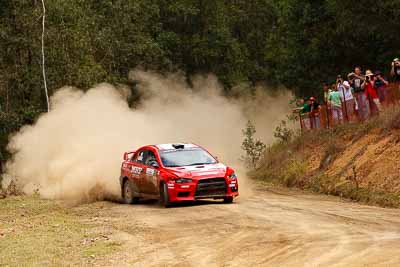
<point>228,199</point>
<point>130,192</point>
<point>164,197</point>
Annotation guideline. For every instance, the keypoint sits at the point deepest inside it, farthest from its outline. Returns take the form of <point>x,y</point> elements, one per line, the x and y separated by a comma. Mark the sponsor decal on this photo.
<point>150,172</point>
<point>136,170</point>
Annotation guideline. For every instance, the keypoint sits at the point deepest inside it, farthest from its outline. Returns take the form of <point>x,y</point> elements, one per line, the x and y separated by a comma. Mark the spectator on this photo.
<point>381,87</point>
<point>370,93</point>
<point>333,87</point>
<point>395,73</point>
<point>327,111</point>
<point>305,114</point>
<point>346,94</point>
<point>326,92</point>
<point>356,80</point>
<point>315,109</point>
<point>335,101</point>
<point>303,109</point>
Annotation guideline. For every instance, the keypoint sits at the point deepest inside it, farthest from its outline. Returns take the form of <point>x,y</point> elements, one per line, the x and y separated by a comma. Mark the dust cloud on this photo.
<point>75,151</point>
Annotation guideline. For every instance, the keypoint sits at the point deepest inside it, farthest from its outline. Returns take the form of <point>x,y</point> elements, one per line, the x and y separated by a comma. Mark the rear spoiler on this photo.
<point>128,155</point>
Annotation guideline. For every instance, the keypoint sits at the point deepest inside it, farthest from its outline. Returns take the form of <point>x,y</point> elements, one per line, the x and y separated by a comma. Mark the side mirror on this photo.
<point>154,164</point>
<point>126,156</point>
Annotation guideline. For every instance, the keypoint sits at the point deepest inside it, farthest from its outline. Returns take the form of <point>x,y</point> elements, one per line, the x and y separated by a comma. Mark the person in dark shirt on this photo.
<point>395,73</point>
<point>356,79</point>
<point>315,109</point>
<point>380,86</point>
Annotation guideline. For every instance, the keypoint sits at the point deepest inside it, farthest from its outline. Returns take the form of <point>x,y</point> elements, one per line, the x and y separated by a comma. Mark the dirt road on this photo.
<point>270,229</point>
<point>273,228</point>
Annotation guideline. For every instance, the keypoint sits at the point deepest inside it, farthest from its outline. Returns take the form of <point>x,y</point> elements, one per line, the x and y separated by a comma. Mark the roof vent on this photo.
<point>178,146</point>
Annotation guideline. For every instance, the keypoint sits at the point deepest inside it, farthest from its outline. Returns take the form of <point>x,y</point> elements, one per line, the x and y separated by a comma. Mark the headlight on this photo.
<point>232,176</point>
<point>183,180</point>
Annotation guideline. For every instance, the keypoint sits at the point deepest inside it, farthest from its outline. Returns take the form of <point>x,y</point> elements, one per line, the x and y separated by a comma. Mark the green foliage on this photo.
<point>253,148</point>
<point>294,43</point>
<point>283,133</point>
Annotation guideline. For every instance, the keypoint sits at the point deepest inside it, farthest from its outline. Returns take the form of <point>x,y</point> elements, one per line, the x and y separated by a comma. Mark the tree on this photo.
<point>253,148</point>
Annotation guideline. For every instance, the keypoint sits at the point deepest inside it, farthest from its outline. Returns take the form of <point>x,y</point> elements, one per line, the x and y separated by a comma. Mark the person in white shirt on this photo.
<point>348,101</point>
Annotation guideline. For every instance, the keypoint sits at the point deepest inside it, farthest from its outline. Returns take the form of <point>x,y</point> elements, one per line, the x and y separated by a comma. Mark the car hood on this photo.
<point>199,171</point>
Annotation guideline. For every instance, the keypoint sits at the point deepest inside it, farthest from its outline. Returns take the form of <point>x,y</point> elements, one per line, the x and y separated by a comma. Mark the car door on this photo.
<point>150,173</point>
<point>136,168</point>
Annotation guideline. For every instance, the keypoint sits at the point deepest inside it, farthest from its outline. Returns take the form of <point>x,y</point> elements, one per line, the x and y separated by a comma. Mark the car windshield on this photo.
<point>186,157</point>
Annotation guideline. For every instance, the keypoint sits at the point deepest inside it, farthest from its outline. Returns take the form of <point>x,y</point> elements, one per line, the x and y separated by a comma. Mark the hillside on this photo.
<point>357,161</point>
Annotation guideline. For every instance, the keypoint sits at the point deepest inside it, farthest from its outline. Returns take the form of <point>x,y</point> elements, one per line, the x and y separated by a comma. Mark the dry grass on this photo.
<point>37,232</point>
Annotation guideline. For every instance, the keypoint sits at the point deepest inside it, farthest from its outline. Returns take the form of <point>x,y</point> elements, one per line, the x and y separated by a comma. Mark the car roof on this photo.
<point>174,146</point>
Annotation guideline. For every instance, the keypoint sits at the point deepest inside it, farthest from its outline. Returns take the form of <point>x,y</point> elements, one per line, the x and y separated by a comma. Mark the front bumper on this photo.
<point>212,188</point>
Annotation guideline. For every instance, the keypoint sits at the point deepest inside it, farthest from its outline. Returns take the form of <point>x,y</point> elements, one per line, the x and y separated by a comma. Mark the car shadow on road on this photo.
<point>183,204</point>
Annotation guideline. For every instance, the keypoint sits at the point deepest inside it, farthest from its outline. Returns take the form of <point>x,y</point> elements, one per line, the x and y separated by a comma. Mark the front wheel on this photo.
<point>228,199</point>
<point>130,192</point>
<point>164,196</point>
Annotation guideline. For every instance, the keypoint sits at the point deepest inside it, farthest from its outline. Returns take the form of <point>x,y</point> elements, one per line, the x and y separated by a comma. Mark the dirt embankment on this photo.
<point>371,161</point>
<point>358,161</point>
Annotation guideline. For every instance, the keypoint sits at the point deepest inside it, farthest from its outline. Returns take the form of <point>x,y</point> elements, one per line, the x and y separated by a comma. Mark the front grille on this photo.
<point>212,187</point>
<point>183,194</point>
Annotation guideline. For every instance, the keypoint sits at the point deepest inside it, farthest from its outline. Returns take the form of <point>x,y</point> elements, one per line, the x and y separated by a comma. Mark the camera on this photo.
<point>367,78</point>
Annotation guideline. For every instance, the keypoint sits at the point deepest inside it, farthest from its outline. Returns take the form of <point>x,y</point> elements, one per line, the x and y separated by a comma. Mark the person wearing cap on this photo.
<point>380,86</point>
<point>370,92</point>
<point>395,73</point>
<point>356,80</point>
<point>335,102</point>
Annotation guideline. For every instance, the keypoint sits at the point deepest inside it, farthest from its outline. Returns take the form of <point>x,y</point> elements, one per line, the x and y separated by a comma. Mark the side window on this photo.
<point>149,157</point>
<point>139,157</point>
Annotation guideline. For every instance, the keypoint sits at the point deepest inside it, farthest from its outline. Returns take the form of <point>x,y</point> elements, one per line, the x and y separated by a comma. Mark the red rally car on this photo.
<point>175,173</point>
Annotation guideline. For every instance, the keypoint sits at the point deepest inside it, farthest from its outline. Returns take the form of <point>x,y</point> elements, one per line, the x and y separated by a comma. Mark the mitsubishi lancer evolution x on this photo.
<point>175,173</point>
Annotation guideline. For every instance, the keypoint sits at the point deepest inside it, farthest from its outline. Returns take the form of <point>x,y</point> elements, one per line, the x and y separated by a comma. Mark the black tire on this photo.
<point>228,199</point>
<point>164,197</point>
<point>130,192</point>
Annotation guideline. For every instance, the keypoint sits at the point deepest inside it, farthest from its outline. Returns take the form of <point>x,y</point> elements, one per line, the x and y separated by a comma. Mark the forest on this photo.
<point>279,43</point>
